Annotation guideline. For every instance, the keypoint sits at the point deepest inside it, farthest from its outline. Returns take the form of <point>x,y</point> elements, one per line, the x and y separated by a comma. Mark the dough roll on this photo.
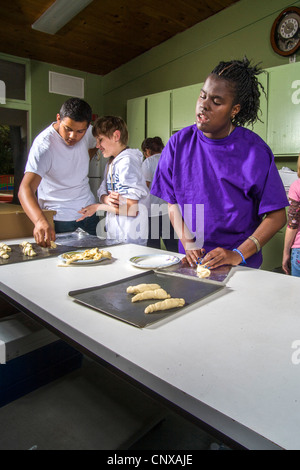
<point>141,288</point>
<point>151,294</point>
<point>165,305</point>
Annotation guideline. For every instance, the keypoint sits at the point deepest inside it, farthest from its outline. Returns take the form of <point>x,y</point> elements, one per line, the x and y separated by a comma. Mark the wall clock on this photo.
<point>285,32</point>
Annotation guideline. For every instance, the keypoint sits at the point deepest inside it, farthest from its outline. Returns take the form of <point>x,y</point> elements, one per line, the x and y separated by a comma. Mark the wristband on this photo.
<point>256,242</point>
<point>243,263</point>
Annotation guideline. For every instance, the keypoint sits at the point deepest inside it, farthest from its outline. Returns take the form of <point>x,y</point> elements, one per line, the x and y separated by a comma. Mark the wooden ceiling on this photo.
<point>105,35</point>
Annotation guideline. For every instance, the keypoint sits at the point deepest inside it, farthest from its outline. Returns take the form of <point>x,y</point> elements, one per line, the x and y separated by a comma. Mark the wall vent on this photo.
<point>66,85</point>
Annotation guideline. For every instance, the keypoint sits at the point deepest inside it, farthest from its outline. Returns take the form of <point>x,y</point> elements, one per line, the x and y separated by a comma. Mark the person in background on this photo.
<point>291,250</point>
<point>159,222</point>
<point>224,169</point>
<point>123,193</point>
<point>57,168</point>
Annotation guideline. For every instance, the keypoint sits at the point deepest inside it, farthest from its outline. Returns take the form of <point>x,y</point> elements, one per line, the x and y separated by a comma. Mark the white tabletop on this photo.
<point>228,362</point>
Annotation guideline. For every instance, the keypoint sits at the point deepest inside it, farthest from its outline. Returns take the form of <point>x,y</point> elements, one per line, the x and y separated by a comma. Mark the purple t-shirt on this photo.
<point>235,179</point>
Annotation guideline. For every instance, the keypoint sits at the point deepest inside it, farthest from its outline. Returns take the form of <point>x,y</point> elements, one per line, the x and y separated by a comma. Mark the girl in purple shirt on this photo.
<point>225,195</point>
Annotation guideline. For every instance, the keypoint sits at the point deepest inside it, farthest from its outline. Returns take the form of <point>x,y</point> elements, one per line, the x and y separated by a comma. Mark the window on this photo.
<point>14,76</point>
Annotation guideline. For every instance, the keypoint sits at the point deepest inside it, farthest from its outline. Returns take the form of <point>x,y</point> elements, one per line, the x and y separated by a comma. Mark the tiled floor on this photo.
<point>174,433</point>
<point>92,409</point>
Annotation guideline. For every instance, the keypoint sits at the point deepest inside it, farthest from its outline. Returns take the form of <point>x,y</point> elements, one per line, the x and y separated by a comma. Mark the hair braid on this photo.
<point>243,79</point>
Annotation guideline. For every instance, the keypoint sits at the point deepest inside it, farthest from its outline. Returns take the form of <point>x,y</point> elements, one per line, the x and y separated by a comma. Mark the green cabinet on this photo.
<point>158,115</point>
<point>136,121</point>
<point>272,252</point>
<point>149,116</point>
<point>184,106</point>
<point>284,109</point>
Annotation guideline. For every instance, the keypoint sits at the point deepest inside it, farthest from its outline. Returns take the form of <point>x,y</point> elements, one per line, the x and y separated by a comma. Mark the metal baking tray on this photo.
<point>64,242</point>
<point>16,254</point>
<point>113,300</point>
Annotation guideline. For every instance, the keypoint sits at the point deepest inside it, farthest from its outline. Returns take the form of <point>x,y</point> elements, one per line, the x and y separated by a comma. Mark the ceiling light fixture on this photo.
<point>58,15</point>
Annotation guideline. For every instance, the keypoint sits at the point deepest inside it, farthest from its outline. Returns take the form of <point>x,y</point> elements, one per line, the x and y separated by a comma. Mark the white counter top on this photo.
<point>227,362</point>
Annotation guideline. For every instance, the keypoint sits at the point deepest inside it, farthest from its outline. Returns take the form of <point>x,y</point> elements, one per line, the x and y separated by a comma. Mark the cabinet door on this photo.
<point>260,127</point>
<point>136,121</point>
<point>159,115</point>
<point>184,105</point>
<point>272,252</point>
<point>284,109</point>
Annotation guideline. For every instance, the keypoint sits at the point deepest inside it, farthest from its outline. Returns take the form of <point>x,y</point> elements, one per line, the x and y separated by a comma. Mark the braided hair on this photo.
<point>246,88</point>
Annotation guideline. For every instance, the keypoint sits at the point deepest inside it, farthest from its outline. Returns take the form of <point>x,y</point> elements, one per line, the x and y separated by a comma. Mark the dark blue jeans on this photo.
<point>88,224</point>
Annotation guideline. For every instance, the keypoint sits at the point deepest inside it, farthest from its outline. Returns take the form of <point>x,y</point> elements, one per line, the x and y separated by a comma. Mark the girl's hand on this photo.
<point>192,257</point>
<point>219,257</point>
<point>88,211</point>
<point>286,263</point>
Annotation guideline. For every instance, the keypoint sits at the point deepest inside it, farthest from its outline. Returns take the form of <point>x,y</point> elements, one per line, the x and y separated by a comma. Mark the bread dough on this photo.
<point>165,305</point>
<point>151,294</point>
<point>51,247</point>
<point>203,271</point>
<point>27,249</point>
<point>4,254</point>
<point>4,249</point>
<point>94,254</point>
<point>141,288</point>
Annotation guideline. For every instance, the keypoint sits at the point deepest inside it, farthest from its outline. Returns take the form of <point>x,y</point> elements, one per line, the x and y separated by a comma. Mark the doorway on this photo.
<point>13,152</point>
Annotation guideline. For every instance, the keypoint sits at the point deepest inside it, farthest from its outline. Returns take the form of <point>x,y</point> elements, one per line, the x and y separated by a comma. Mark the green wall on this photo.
<point>45,105</point>
<point>242,29</point>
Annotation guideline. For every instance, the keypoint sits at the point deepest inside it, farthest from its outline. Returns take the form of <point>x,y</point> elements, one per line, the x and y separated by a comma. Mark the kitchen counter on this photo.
<point>229,362</point>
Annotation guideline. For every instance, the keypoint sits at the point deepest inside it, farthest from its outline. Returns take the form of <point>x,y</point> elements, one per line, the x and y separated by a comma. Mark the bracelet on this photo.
<point>256,242</point>
<point>243,263</point>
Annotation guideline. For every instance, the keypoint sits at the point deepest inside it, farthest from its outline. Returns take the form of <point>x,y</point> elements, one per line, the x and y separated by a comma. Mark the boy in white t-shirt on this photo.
<point>123,193</point>
<point>57,168</point>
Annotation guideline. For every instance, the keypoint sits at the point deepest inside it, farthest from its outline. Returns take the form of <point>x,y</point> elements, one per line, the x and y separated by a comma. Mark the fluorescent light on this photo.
<point>59,14</point>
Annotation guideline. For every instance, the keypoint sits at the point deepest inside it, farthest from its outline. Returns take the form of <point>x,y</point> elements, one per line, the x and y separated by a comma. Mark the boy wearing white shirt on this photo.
<point>123,193</point>
<point>57,168</point>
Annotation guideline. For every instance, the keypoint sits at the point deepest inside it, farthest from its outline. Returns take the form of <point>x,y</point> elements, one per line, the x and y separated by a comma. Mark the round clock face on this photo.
<point>285,33</point>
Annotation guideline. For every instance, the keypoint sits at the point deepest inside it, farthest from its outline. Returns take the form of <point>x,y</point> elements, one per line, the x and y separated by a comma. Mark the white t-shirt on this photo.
<point>124,175</point>
<point>158,206</point>
<point>64,187</point>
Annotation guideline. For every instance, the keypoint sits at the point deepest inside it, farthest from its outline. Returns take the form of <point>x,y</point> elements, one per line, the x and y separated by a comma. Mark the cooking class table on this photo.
<point>229,363</point>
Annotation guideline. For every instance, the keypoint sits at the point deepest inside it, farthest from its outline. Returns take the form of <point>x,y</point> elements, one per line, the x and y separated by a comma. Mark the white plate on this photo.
<point>80,261</point>
<point>154,261</point>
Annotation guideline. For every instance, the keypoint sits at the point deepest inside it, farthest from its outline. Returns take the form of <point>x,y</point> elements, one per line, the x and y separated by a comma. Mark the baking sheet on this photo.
<point>217,275</point>
<point>113,300</point>
<point>16,254</point>
<point>64,242</point>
